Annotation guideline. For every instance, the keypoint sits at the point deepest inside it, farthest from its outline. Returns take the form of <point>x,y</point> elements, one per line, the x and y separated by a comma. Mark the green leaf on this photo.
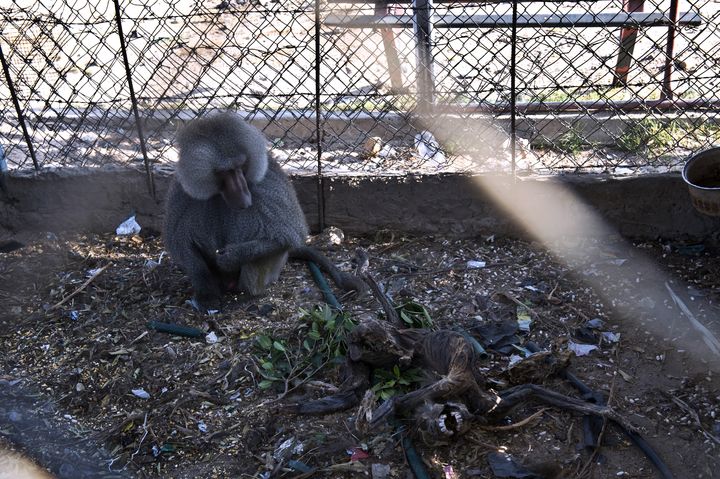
<point>265,384</point>
<point>396,371</point>
<point>314,335</point>
<point>268,375</point>
<point>386,394</point>
<point>279,346</point>
<point>267,365</point>
<point>265,342</point>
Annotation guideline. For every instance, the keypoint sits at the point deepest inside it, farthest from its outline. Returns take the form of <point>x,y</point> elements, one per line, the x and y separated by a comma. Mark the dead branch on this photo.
<point>84,285</point>
<point>363,270</point>
<point>516,425</point>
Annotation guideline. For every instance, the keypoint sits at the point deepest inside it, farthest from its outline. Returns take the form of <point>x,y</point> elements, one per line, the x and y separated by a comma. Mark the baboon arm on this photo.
<point>206,284</point>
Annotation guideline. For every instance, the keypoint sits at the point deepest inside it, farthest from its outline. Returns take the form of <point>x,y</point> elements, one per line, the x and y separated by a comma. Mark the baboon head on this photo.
<point>221,154</point>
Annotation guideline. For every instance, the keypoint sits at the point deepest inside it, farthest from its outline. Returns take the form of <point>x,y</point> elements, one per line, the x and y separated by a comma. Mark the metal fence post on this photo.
<point>513,85</point>
<point>18,110</point>
<point>318,124</point>
<point>667,93</point>
<point>422,26</point>
<point>133,99</point>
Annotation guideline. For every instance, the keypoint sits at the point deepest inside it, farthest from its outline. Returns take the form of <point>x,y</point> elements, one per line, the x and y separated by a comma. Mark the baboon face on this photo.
<point>221,155</point>
<point>233,184</point>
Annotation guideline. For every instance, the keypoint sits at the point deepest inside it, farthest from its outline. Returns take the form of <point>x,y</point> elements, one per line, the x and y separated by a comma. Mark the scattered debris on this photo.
<point>474,264</point>
<point>91,364</point>
<point>380,471</point>
<point>373,145</point>
<point>429,149</point>
<point>141,393</point>
<point>128,227</point>
<point>581,349</point>
<point>707,336</point>
<point>503,465</point>
<point>92,277</point>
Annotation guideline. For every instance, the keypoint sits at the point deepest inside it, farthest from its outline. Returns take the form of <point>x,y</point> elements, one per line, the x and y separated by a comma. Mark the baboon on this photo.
<point>232,216</point>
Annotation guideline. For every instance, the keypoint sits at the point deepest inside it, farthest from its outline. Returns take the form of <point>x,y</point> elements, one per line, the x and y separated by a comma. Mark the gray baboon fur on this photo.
<point>232,215</point>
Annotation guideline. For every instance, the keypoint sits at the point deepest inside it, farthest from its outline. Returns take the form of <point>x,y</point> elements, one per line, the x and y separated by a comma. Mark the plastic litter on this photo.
<point>287,448</point>
<point>428,148</point>
<point>581,349</point>
<point>299,466</point>
<point>611,337</point>
<point>387,151</point>
<point>202,426</point>
<point>92,272</point>
<point>128,227</point>
<point>357,454</point>
<point>141,393</point>
<point>380,471</point>
<point>523,318</point>
<point>596,323</point>
<point>498,336</point>
<point>151,264</point>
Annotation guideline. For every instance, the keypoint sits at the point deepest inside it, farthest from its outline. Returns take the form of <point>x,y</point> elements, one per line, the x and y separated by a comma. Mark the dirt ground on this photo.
<point>79,361</point>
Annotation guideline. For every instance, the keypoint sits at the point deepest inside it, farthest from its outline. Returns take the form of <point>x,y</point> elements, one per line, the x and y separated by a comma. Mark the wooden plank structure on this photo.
<point>423,19</point>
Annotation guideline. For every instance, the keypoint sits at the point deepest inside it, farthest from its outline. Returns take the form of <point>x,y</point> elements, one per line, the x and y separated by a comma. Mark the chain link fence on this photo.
<point>356,86</point>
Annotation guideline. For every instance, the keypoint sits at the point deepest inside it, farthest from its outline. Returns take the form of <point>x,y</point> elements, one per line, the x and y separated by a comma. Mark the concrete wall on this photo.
<point>449,204</point>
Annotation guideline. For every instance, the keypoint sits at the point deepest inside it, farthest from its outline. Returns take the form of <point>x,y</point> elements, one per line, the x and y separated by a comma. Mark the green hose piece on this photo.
<point>324,286</point>
<point>413,458</point>
<point>176,329</point>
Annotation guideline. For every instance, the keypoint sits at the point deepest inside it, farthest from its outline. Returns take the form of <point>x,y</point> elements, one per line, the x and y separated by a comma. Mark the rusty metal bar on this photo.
<point>667,92</point>
<point>18,110</point>
<point>628,36</point>
<point>133,100</point>
<point>391,53</point>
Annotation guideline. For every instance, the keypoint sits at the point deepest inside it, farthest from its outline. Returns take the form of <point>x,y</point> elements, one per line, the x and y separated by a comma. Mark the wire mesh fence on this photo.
<point>363,85</point>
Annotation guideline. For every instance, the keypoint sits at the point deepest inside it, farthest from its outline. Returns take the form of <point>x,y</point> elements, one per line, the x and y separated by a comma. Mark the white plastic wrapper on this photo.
<point>202,426</point>
<point>429,149</point>
<point>610,337</point>
<point>141,393</point>
<point>581,349</point>
<point>387,151</point>
<point>128,227</point>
